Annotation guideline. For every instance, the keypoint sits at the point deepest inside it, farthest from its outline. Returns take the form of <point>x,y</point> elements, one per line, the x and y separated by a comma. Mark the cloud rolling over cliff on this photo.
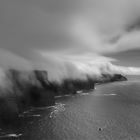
<point>68,38</point>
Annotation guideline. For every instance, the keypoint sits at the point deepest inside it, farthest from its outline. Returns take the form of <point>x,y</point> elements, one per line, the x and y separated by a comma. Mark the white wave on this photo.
<point>105,94</point>
<point>58,108</point>
<point>11,136</point>
<point>67,95</point>
<point>83,94</point>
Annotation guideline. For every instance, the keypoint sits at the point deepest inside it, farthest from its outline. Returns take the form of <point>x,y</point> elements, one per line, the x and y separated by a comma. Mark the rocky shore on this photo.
<point>20,90</point>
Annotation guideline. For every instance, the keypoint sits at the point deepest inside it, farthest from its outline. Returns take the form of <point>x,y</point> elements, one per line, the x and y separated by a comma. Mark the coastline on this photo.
<point>32,89</point>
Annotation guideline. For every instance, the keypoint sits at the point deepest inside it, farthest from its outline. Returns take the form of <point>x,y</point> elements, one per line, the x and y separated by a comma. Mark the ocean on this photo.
<point>110,112</point>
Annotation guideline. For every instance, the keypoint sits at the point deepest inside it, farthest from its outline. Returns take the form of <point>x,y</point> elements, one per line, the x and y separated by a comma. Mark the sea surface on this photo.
<point>110,112</point>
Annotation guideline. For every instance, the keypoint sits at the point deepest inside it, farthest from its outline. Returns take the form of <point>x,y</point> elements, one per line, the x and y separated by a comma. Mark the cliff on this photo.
<point>118,77</point>
<point>21,90</point>
<point>105,78</point>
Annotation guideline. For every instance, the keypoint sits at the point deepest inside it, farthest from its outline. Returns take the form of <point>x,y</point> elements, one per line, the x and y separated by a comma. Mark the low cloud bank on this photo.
<point>67,38</point>
<point>62,66</point>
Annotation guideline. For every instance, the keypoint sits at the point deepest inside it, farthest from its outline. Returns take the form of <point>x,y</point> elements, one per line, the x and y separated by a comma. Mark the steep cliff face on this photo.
<point>21,90</point>
<point>111,78</point>
<point>70,86</point>
<point>118,77</point>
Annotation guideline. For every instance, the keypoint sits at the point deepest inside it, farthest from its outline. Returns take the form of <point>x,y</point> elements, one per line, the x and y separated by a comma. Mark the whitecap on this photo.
<point>11,136</point>
<point>105,94</point>
<point>83,94</point>
<point>58,108</point>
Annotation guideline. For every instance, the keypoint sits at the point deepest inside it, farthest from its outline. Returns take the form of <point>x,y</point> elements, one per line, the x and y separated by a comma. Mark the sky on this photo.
<point>71,38</point>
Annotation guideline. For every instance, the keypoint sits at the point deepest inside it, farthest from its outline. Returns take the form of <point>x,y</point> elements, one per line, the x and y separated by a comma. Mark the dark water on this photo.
<point>111,112</point>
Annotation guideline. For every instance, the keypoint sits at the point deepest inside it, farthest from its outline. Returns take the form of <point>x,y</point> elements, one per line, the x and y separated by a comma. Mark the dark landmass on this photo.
<point>26,89</point>
<point>105,78</point>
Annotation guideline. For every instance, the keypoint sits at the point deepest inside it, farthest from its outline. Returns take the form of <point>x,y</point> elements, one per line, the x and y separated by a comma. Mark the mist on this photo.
<point>69,39</point>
